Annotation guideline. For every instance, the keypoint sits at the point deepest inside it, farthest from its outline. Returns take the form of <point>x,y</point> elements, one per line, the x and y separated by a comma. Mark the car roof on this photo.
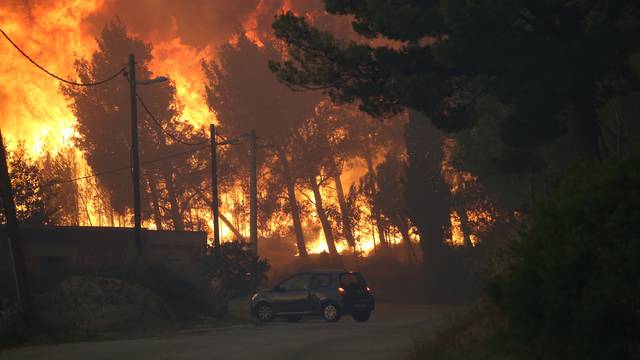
<point>334,271</point>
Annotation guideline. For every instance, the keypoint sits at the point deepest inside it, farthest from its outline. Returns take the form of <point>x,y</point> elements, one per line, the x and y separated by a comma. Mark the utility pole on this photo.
<point>253,193</point>
<point>14,239</point>
<point>215,205</point>
<point>135,161</point>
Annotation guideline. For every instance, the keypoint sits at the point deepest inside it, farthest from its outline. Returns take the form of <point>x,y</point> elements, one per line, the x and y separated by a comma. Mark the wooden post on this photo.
<point>215,205</point>
<point>135,164</point>
<point>253,194</point>
<point>14,240</point>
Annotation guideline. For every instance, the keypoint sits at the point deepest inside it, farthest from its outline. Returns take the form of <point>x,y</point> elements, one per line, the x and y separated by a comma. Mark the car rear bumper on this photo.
<point>358,306</point>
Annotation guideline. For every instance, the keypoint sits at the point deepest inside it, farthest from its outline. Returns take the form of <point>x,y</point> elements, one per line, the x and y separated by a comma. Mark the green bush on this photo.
<point>570,288</point>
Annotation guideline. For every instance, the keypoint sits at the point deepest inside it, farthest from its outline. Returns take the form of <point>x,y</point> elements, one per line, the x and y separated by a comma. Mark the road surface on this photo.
<point>387,335</point>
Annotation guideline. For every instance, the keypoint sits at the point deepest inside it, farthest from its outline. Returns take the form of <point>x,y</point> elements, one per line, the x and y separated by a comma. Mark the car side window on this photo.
<point>299,282</point>
<point>320,281</point>
<point>348,280</point>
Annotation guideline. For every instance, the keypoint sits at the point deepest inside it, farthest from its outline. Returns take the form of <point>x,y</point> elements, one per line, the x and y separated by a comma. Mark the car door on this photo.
<point>321,289</point>
<point>292,295</point>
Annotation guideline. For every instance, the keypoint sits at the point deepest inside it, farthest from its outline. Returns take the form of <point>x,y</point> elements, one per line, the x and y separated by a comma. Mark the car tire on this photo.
<point>264,312</point>
<point>330,312</point>
<point>362,316</point>
<point>293,318</point>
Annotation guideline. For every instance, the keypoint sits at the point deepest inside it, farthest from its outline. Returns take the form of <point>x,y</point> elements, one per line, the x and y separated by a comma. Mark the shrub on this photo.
<point>566,285</point>
<point>90,305</point>
<point>13,329</point>
<point>476,335</point>
<point>236,273</point>
<point>570,288</point>
<point>187,298</point>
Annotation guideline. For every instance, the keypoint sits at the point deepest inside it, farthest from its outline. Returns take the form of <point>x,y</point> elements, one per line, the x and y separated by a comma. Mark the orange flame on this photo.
<point>55,33</point>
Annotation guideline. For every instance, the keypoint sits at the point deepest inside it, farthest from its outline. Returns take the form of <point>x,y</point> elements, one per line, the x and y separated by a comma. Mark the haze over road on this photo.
<point>387,335</point>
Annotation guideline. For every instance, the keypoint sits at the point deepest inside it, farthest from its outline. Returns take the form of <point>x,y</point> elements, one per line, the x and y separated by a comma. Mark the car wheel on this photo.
<point>264,312</point>
<point>293,318</point>
<point>330,312</point>
<point>362,316</point>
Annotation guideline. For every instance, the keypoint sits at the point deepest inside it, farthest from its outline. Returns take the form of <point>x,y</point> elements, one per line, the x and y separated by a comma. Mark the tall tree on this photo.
<point>58,169</point>
<point>245,96</point>
<point>313,152</point>
<point>551,63</point>
<point>427,193</point>
<point>391,181</point>
<point>103,114</point>
<point>35,196</point>
<point>368,139</point>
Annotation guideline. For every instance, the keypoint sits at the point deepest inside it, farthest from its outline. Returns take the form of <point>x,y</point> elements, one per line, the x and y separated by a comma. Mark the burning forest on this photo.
<point>182,167</point>
<point>328,175</point>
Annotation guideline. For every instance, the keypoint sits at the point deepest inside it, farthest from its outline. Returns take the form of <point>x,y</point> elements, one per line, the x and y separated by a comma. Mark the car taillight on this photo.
<point>369,290</point>
<point>341,291</point>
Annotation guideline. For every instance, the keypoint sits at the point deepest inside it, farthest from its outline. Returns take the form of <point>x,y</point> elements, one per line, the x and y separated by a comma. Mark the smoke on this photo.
<point>197,23</point>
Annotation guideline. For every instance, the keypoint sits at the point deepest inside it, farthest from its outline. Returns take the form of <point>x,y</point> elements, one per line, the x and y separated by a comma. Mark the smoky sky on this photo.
<point>197,23</point>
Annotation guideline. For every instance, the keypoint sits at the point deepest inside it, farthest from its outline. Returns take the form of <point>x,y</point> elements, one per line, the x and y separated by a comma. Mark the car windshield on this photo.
<point>352,280</point>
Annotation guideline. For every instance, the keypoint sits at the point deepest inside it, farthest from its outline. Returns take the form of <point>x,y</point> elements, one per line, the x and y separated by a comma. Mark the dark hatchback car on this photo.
<point>330,293</point>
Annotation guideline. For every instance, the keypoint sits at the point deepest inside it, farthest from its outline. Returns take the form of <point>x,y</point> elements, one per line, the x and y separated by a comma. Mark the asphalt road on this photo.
<point>387,335</point>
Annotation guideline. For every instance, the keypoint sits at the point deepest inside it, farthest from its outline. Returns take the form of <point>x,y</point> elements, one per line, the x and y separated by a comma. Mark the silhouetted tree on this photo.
<point>34,195</point>
<point>390,200</point>
<point>58,169</point>
<point>551,63</point>
<point>245,96</point>
<point>103,114</point>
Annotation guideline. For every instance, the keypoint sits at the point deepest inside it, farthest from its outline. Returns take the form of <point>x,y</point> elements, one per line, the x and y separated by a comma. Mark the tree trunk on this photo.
<point>464,226</point>
<point>157,218</point>
<point>344,209</point>
<point>224,219</point>
<point>429,200</point>
<point>372,183</point>
<point>585,124</point>
<point>178,224</point>
<point>232,228</point>
<point>406,239</point>
<point>326,226</point>
<point>293,203</point>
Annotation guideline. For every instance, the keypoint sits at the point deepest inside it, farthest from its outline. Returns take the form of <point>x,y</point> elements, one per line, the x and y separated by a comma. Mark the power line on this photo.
<point>174,155</point>
<point>111,171</point>
<point>54,75</point>
<point>62,182</point>
<point>224,139</point>
<point>172,136</point>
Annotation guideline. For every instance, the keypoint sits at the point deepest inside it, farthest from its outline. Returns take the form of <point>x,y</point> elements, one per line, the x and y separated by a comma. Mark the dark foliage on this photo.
<point>109,147</point>
<point>13,328</point>
<point>186,297</point>
<point>552,63</point>
<point>237,272</point>
<point>33,194</point>
<point>569,288</point>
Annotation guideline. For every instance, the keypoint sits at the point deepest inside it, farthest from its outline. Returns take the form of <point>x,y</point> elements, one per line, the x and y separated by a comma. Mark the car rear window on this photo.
<point>351,280</point>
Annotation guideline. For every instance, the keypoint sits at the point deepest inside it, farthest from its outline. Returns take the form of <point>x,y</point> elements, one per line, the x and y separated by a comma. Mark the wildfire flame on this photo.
<point>57,33</point>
